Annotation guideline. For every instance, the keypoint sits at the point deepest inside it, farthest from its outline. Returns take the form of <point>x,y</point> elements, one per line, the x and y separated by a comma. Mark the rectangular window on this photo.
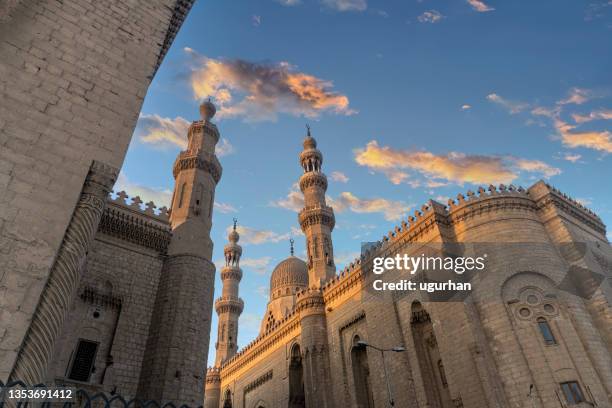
<point>573,393</point>
<point>547,334</point>
<point>83,362</point>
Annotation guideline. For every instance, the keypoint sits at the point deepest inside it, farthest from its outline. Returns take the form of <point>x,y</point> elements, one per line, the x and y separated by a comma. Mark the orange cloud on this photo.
<point>597,115</point>
<point>597,140</point>
<point>391,210</point>
<point>259,92</point>
<point>453,167</point>
<point>480,6</point>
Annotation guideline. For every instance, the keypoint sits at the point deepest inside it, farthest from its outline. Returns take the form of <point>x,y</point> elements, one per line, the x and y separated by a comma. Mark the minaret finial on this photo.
<point>291,241</point>
<point>235,223</point>
<point>307,129</point>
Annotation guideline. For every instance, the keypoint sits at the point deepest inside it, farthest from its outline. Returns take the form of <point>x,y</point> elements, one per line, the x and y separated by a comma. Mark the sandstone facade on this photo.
<point>536,324</point>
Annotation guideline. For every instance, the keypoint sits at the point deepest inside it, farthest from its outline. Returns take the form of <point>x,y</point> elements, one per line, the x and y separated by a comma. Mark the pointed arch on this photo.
<point>361,375</point>
<point>296,378</point>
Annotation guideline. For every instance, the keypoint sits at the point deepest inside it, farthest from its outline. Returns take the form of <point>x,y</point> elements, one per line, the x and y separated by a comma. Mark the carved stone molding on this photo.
<point>259,381</point>
<point>229,304</point>
<point>208,163</point>
<point>64,276</point>
<point>317,215</point>
<point>313,179</point>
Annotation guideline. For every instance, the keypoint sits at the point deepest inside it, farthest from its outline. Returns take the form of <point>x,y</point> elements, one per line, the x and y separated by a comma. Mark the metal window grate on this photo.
<point>83,362</point>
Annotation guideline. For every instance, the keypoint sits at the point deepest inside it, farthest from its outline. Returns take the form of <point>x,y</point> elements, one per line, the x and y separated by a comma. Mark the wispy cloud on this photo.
<point>577,96</point>
<point>254,236</point>
<point>391,210</point>
<point>574,158</point>
<point>289,2</point>
<point>260,91</point>
<point>345,5</point>
<point>511,106</point>
<point>453,167</point>
<point>224,208</point>
<point>480,6</point>
<point>294,201</point>
<point>339,177</point>
<point>466,107</point>
<point>160,196</point>
<point>256,20</point>
<point>259,265</point>
<point>591,139</point>
<point>166,132</point>
<point>431,16</point>
<point>603,114</point>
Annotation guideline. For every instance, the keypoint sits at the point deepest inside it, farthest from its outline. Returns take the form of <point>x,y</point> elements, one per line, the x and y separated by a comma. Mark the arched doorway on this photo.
<point>430,361</point>
<point>227,399</point>
<point>296,379</point>
<point>361,375</point>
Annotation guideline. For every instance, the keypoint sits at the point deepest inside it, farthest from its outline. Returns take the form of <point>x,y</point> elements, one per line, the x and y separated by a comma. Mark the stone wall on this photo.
<point>73,76</point>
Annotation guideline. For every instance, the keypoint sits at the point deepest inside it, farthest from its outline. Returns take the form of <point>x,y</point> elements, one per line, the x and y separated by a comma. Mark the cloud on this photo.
<point>391,210</point>
<point>431,16</point>
<point>256,20</point>
<point>293,202</point>
<point>585,201</point>
<point>577,96</point>
<point>256,237</point>
<point>571,157</point>
<point>160,196</point>
<point>166,132</point>
<point>596,140</point>
<point>224,208</point>
<point>512,106</point>
<point>249,322</point>
<point>480,6</point>
<point>345,5</point>
<point>258,265</point>
<point>260,91</point>
<point>342,259</point>
<point>289,2</point>
<point>466,107</point>
<point>603,114</point>
<point>339,177</point>
<point>453,167</point>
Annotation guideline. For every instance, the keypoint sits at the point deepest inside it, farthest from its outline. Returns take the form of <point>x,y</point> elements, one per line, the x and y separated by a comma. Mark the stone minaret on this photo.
<point>229,306</point>
<point>177,349</point>
<point>316,218</point>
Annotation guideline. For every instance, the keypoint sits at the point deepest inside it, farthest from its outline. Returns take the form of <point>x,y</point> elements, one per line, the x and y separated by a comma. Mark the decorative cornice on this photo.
<point>353,320</point>
<point>204,126</point>
<point>313,178</point>
<point>229,272</point>
<point>202,160</point>
<point>258,382</point>
<point>229,304</point>
<point>213,376</point>
<point>317,215</point>
<point>136,228</point>
<point>92,296</point>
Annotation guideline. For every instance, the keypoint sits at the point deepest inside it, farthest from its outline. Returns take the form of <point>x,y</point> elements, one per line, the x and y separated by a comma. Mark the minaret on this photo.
<point>177,348</point>
<point>316,218</point>
<point>229,306</point>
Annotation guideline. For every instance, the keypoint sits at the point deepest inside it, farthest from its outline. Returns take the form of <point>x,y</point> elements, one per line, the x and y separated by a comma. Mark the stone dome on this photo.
<point>288,274</point>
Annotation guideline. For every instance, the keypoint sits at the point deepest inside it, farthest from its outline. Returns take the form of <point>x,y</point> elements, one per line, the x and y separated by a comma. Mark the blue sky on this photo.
<point>409,100</point>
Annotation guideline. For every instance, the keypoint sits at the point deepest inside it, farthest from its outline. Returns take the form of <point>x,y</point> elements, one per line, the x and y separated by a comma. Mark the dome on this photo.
<point>207,110</point>
<point>309,143</point>
<point>289,274</point>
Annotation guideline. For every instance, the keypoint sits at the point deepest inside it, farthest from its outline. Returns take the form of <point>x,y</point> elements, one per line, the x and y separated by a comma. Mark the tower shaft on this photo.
<point>177,347</point>
<point>316,219</point>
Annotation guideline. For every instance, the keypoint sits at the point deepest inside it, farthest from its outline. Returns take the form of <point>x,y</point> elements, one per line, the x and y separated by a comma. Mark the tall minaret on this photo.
<point>229,306</point>
<point>316,218</point>
<point>177,349</point>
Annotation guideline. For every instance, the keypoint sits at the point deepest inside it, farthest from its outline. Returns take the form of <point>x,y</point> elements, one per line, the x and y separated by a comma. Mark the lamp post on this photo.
<point>398,349</point>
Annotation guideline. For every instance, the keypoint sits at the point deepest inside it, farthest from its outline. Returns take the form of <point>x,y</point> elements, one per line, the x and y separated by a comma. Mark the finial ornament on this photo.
<point>235,222</point>
<point>307,129</point>
<point>291,241</point>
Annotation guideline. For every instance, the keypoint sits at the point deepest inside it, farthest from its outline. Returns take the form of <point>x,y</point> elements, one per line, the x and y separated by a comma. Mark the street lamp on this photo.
<point>397,349</point>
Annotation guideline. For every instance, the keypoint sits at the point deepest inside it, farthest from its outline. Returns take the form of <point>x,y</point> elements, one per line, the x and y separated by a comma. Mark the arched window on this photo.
<point>296,379</point>
<point>361,375</point>
<point>442,374</point>
<point>546,331</point>
<point>182,194</point>
<point>227,399</point>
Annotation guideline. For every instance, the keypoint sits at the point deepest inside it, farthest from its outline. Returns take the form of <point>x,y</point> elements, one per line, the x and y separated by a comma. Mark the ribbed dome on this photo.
<point>290,273</point>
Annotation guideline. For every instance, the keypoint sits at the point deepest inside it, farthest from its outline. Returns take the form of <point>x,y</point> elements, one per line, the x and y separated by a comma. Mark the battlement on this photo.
<point>138,207</point>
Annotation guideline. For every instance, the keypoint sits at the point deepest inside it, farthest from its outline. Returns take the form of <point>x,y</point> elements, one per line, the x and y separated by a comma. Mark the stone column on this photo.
<point>315,349</point>
<point>65,276</point>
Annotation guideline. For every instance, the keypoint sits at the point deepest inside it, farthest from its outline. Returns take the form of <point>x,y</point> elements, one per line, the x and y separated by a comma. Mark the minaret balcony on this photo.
<point>313,178</point>
<point>202,160</point>
<point>206,126</point>
<point>231,272</point>
<point>315,215</point>
<point>226,304</point>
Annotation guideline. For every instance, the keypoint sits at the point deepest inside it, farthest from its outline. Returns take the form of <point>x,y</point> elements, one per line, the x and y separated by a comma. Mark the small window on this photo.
<point>573,393</point>
<point>182,194</point>
<point>83,362</point>
<point>547,334</point>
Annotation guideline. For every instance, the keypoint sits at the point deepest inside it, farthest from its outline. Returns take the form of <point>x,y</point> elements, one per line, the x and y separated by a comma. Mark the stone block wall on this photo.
<point>73,76</point>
